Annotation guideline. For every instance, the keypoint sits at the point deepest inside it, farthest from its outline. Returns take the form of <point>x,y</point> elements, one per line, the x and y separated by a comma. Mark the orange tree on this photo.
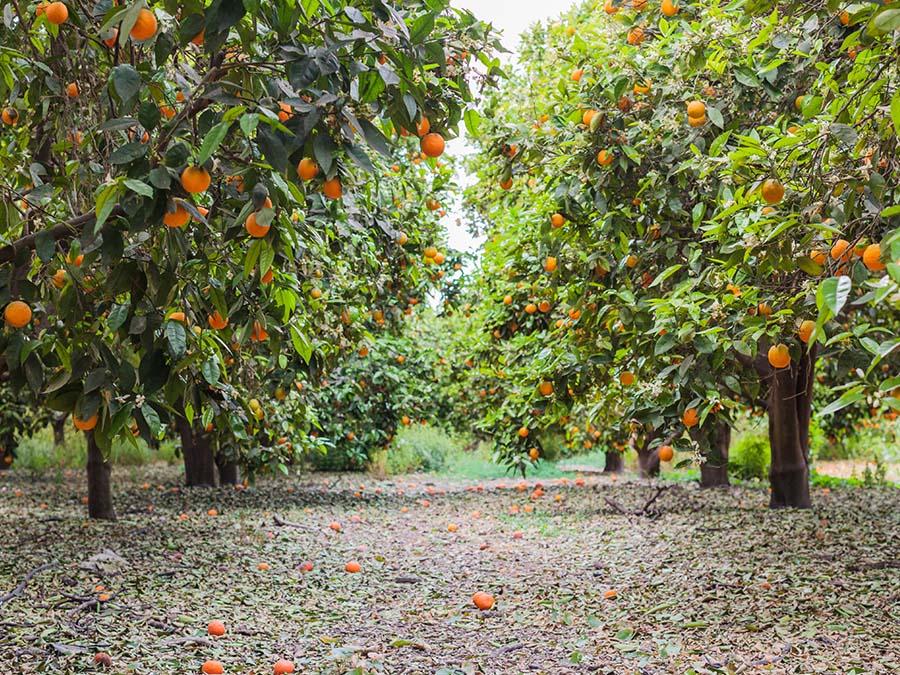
<point>176,180</point>
<point>705,186</point>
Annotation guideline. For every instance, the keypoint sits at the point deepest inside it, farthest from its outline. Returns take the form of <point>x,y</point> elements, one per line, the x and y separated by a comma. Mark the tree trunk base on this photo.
<point>228,472</point>
<point>649,464</point>
<point>615,462</point>
<point>100,504</point>
<point>713,476</point>
<point>199,464</point>
<point>790,488</point>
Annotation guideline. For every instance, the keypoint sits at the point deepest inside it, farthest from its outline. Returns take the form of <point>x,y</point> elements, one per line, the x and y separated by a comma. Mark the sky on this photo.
<point>511,17</point>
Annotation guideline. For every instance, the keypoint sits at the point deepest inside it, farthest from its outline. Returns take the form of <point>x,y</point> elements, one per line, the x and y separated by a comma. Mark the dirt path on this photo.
<point>716,583</point>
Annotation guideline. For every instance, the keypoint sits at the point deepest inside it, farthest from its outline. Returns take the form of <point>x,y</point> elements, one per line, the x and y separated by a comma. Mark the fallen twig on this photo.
<point>17,591</point>
<point>189,639</point>
<point>281,522</point>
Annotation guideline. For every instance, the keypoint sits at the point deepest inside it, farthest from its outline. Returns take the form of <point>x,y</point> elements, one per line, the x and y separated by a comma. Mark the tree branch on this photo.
<point>65,230</point>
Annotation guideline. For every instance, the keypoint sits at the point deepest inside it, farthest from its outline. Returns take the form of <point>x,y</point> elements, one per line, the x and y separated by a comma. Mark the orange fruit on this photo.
<point>697,121</point>
<point>335,526</point>
<point>779,356</point>
<point>587,116</point>
<point>254,229</point>
<point>669,8</point>
<point>307,169</point>
<point>507,300</point>
<point>263,567</point>
<point>452,528</point>
<point>772,191</point>
<point>59,279</point>
<point>635,36</point>
<point>818,257</point>
<point>195,179</point>
<point>557,220</point>
<point>56,13</point>
<point>212,668</point>
<point>546,388</point>
<point>576,76</point>
<point>423,127</point>
<point>610,594</point>
<point>806,330</point>
<point>665,453</point>
<point>610,8</point>
<point>696,109</point>
<point>544,306</point>
<point>626,379</point>
<point>523,432</point>
<point>213,513</point>
<point>352,567</point>
<point>216,628</point>
<point>872,258</point>
<point>631,261</point>
<point>72,90</point>
<point>690,417</point>
<point>530,308</point>
<point>332,188</point>
<point>267,277</point>
<point>284,667</point>
<point>177,316</point>
<point>550,264</point>
<point>84,425</point>
<point>604,158</point>
<point>216,322</point>
<point>17,314</point>
<point>841,250</point>
<point>432,145</point>
<point>506,184</point>
<point>145,26</point>
<point>10,116</point>
<point>483,601</point>
<point>199,37</point>
<point>177,218</point>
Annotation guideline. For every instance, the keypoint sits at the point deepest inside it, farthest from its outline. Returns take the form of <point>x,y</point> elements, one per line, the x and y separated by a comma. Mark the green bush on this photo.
<point>749,458</point>
<point>419,448</point>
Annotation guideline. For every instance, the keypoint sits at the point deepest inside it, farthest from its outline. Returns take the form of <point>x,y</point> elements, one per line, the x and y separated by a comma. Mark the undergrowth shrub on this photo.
<point>750,456</point>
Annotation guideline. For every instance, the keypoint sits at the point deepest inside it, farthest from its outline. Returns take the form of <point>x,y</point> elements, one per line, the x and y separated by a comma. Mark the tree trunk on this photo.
<point>199,467</point>
<point>615,462</point>
<point>100,503</point>
<point>648,461</point>
<point>714,471</point>
<point>228,470</point>
<point>59,429</point>
<point>7,442</point>
<point>790,410</point>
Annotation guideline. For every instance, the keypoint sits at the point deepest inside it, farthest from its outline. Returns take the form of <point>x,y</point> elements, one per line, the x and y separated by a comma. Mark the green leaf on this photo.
<point>895,111</point>
<point>45,245</point>
<point>887,20</point>
<point>177,338</point>
<point>212,141</point>
<point>126,81</point>
<point>849,397</point>
<point>117,317</point>
<point>138,186</point>
<point>128,153</point>
<point>833,293</point>
<point>301,344</point>
<point>210,370</point>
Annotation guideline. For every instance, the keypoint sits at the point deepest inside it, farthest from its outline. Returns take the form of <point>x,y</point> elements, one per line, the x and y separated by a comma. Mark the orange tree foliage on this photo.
<point>132,268</point>
<point>689,173</point>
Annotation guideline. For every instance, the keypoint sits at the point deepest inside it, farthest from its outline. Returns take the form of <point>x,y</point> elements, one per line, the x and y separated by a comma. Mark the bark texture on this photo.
<point>615,462</point>
<point>199,465</point>
<point>100,504</point>
<point>714,471</point>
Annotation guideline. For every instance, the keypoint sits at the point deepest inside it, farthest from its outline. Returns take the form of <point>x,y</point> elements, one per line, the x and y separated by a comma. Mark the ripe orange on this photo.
<point>697,121</point>
<point>332,188</point>
<point>544,306</point>
<point>432,145</point>
<point>626,379</point>
<point>546,388</point>
<point>772,191</point>
<point>631,261</point>
<point>506,184</point>
<point>872,258</point>
<point>353,567</point>
<point>576,77</point>
<point>696,109</point>
<point>267,277</point>
<point>779,356</point>
<point>635,36</point>
<point>216,628</point>
<point>610,8</point>
<point>550,264</point>
<point>841,250</point>
<point>665,453</point>
<point>284,667</point>
<point>507,300</point>
<point>452,528</point>
<point>534,454</point>
<point>195,179</point>
<point>806,330</point>
<point>59,278</point>
<point>84,425</point>
<point>335,526</point>
<point>610,594</point>
<point>199,37</point>
<point>17,314</point>
<point>72,90</point>
<point>439,258</point>
<point>56,13</point>
<point>530,308</point>
<point>145,26</point>
<point>690,417</point>
<point>254,229</point>
<point>669,8</point>
<point>212,513</point>
<point>263,567</point>
<point>177,218</point>
<point>587,116</point>
<point>212,668</point>
<point>216,322</point>
<point>604,158</point>
<point>103,659</point>
<point>523,432</point>
<point>483,601</point>
<point>10,116</point>
<point>307,169</point>
<point>818,257</point>
<point>557,220</point>
<point>423,127</point>
<point>430,251</point>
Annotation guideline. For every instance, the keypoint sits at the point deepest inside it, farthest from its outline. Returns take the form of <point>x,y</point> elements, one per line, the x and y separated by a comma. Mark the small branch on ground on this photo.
<point>281,522</point>
<point>17,591</point>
